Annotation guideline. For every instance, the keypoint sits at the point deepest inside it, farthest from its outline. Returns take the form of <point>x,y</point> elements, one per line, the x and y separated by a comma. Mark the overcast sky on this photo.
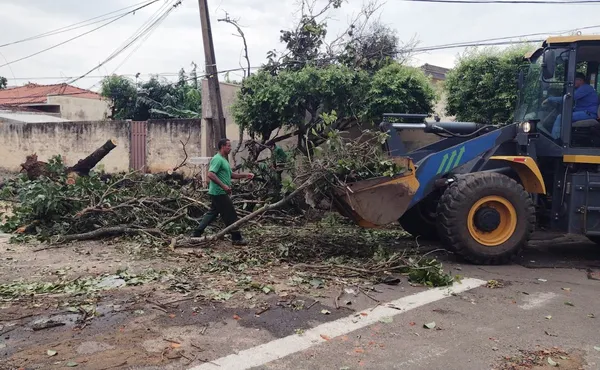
<point>178,40</point>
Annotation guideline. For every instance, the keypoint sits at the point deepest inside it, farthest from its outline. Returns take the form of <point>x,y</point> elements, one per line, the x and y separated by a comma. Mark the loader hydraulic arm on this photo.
<point>443,129</point>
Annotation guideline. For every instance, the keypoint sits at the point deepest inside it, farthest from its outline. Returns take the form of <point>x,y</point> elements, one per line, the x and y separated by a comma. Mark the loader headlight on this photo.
<point>526,127</point>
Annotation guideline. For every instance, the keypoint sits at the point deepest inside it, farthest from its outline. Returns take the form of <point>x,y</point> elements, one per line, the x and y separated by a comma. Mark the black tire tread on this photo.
<point>465,188</point>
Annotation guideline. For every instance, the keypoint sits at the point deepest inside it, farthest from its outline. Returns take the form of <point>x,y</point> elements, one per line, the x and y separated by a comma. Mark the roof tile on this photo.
<point>38,94</point>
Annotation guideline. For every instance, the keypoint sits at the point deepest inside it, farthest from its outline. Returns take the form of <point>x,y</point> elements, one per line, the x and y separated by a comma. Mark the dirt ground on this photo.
<point>168,316</point>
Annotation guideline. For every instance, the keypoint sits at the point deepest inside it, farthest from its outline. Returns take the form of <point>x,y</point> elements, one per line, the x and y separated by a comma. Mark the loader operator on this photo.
<point>586,104</point>
<point>219,188</point>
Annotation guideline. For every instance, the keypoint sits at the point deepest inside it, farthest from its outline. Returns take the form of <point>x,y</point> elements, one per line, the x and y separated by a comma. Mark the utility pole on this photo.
<point>216,120</point>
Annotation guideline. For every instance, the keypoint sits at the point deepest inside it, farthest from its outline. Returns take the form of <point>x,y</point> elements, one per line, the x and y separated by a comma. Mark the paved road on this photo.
<point>547,301</point>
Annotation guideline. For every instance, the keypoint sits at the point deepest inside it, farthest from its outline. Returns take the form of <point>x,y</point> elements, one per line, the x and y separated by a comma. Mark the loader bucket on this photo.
<point>378,201</point>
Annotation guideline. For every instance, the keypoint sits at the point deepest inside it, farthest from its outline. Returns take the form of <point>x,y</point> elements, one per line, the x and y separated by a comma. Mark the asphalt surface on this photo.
<point>546,301</point>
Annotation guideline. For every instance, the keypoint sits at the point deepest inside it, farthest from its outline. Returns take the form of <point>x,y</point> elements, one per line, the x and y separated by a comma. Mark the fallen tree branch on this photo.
<point>268,207</point>
<point>108,231</point>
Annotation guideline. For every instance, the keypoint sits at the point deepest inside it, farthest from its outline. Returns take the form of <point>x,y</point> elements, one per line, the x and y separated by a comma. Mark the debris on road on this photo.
<point>46,324</point>
<point>494,284</point>
<point>430,325</point>
<point>542,359</point>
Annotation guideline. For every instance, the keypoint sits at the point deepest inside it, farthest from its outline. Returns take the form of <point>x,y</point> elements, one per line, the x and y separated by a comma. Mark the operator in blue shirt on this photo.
<point>586,104</point>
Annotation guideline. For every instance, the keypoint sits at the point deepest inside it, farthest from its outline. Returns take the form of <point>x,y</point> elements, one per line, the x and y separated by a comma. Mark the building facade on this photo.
<point>68,102</point>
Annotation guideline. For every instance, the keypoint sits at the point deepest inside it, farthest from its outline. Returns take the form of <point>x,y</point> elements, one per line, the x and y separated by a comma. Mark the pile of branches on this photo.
<point>335,248</point>
<point>56,207</point>
<point>342,160</point>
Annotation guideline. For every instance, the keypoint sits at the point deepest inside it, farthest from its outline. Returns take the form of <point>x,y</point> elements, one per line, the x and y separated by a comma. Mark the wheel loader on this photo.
<point>482,189</point>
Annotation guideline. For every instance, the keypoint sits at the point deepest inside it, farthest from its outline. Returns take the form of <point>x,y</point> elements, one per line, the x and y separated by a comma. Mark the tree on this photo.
<point>310,102</point>
<point>483,85</point>
<point>122,94</point>
<point>401,89</point>
<point>364,44</point>
<point>315,85</point>
<point>3,83</point>
<point>155,98</point>
<point>374,47</point>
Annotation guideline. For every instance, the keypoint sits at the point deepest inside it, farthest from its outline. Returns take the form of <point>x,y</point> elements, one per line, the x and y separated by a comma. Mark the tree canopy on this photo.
<point>483,85</point>
<point>155,98</point>
<point>300,100</point>
<point>3,82</point>
<point>319,84</point>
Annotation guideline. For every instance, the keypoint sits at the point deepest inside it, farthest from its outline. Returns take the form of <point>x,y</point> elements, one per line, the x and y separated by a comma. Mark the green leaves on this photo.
<point>482,87</point>
<point>315,100</point>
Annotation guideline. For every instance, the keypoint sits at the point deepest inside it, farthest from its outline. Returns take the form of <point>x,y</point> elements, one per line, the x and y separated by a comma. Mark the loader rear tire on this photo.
<point>420,221</point>
<point>486,218</point>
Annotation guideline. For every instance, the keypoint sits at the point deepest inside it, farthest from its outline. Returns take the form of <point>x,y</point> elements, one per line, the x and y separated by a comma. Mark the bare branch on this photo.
<point>247,72</point>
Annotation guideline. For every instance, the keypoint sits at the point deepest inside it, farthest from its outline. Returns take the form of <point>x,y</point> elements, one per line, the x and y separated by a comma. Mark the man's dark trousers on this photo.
<point>220,204</point>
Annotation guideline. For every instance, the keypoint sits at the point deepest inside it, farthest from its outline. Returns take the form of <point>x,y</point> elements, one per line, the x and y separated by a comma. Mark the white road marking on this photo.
<point>280,348</point>
<point>537,300</point>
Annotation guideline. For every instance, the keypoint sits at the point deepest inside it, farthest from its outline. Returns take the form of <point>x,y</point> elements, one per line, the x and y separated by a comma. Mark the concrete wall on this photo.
<point>76,140</point>
<point>72,140</point>
<point>80,109</point>
<point>164,149</point>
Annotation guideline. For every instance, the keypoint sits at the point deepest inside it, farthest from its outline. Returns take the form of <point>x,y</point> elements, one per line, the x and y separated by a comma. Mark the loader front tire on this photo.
<point>486,218</point>
<point>420,220</point>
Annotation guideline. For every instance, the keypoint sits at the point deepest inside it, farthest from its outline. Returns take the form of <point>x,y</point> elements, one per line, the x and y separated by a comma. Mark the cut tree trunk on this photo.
<point>84,166</point>
<point>36,169</point>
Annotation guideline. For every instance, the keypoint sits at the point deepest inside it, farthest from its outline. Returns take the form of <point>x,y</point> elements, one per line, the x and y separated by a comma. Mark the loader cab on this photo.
<point>547,89</point>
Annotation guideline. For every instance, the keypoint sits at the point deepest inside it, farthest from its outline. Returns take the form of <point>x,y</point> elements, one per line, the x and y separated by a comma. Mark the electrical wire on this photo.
<point>76,37</point>
<point>121,49</point>
<point>574,2</point>
<point>77,25</point>
<point>138,46</point>
<point>428,48</point>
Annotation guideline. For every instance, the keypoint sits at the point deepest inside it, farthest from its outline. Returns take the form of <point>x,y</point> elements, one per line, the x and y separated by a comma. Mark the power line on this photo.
<point>141,42</point>
<point>166,74</point>
<point>77,25</point>
<point>78,36</point>
<point>574,2</point>
<point>121,49</point>
<point>475,44</point>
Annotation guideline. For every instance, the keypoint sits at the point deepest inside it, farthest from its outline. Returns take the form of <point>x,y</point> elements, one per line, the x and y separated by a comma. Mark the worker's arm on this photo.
<point>238,176</point>
<point>213,177</point>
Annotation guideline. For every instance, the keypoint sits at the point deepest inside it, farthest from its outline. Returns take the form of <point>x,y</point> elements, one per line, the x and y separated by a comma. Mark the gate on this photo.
<point>137,156</point>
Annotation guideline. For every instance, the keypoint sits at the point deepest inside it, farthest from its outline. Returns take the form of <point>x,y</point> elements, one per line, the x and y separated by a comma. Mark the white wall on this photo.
<point>81,109</point>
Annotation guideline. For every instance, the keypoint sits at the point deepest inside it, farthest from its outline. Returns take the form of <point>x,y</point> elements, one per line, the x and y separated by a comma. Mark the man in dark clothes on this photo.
<point>585,107</point>
<point>219,188</point>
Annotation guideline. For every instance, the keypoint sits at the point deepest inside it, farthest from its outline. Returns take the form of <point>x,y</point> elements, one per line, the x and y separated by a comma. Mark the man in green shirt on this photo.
<point>219,188</point>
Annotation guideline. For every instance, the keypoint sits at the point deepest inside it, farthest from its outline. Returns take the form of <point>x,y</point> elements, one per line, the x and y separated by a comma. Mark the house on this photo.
<point>436,73</point>
<point>438,76</point>
<point>25,115</point>
<point>66,101</point>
